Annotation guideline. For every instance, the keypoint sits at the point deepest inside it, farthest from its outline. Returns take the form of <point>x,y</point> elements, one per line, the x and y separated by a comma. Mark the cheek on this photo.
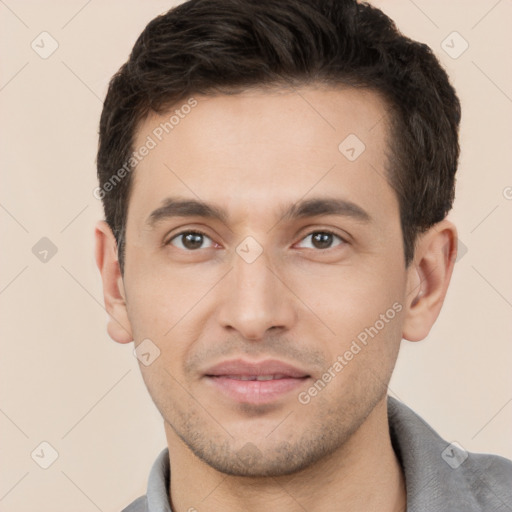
<point>166,305</point>
<point>348,299</point>
<point>362,309</point>
<point>159,296</point>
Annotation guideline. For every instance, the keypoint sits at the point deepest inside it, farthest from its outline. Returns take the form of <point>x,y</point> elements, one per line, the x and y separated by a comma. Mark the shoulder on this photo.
<point>489,478</point>
<point>139,505</point>
<point>442,475</point>
<point>482,482</point>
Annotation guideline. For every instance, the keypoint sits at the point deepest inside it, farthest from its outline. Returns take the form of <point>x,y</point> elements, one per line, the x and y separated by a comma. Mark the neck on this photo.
<point>363,474</point>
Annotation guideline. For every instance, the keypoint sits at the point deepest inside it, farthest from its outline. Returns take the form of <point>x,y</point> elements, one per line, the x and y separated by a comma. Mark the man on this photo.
<point>276,178</point>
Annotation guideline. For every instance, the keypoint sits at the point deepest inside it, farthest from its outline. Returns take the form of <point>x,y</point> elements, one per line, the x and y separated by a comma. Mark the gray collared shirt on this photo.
<point>439,476</point>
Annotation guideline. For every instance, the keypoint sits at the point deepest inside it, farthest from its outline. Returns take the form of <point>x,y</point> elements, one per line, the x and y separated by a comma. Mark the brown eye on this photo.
<point>190,240</point>
<point>323,240</point>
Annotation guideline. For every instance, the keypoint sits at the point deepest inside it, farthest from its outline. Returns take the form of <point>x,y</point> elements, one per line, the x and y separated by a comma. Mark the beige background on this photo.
<point>65,382</point>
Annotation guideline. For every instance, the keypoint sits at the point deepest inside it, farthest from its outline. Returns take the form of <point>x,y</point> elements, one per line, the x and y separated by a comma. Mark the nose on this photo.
<point>256,299</point>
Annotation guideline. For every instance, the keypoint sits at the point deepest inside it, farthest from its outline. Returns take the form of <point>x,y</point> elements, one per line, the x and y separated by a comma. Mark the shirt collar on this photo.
<point>427,460</point>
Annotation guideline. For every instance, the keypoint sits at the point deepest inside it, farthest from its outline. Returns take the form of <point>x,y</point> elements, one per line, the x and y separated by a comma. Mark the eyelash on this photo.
<point>199,232</point>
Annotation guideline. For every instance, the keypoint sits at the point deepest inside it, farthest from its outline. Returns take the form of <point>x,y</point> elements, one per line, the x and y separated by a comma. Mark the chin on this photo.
<point>281,459</point>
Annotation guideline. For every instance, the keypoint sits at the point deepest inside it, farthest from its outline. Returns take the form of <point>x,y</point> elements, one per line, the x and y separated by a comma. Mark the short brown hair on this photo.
<point>226,46</point>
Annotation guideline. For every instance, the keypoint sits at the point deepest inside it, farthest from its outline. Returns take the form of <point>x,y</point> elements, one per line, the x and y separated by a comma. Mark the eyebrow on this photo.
<point>175,207</point>
<point>325,206</point>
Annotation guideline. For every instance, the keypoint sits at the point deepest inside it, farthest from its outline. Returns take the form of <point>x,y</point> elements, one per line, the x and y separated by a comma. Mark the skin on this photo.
<point>252,154</point>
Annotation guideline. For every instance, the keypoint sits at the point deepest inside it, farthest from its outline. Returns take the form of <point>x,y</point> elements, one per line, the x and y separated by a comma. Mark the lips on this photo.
<point>239,367</point>
<point>254,377</point>
<point>255,382</point>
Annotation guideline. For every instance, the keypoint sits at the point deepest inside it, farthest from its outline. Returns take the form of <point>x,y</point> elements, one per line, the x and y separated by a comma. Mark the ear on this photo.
<point>118,327</point>
<point>428,278</point>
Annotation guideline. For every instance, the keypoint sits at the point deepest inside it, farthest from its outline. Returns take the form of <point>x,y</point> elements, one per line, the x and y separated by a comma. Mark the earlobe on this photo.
<point>114,296</point>
<point>428,279</point>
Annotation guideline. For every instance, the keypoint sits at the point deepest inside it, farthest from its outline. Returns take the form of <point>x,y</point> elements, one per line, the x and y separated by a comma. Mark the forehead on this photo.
<point>262,149</point>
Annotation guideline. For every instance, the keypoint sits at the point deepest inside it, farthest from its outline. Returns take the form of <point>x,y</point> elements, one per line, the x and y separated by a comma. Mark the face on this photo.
<point>277,310</point>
